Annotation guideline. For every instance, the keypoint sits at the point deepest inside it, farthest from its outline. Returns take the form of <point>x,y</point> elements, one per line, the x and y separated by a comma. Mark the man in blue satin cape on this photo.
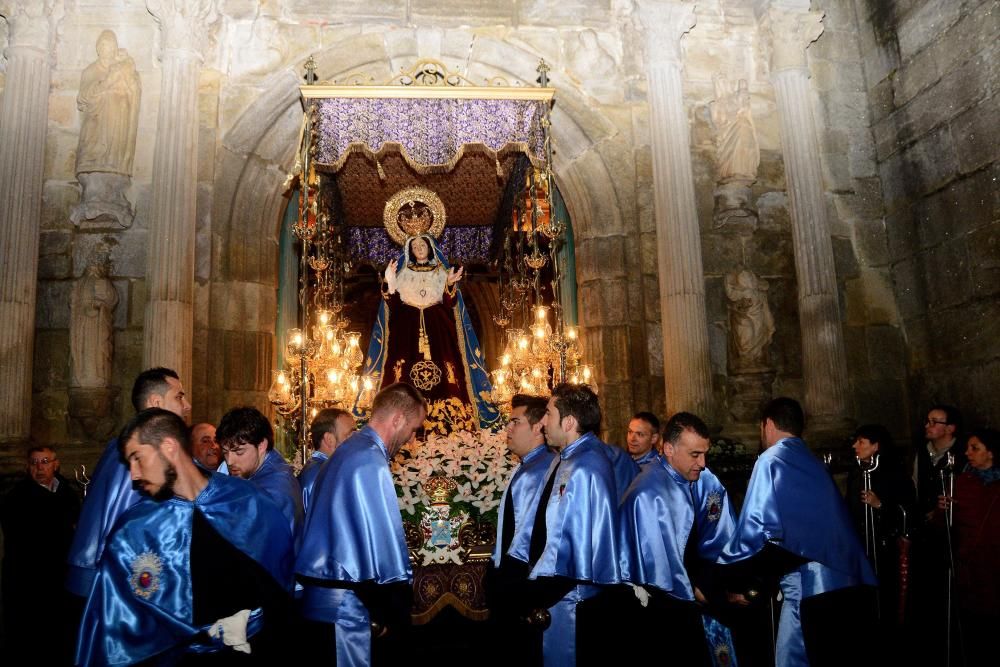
<point>643,438</point>
<point>200,572</point>
<point>353,562</point>
<point>247,442</point>
<point>794,527</point>
<point>110,492</point>
<point>573,550</point>
<point>329,428</point>
<point>517,513</point>
<point>674,521</point>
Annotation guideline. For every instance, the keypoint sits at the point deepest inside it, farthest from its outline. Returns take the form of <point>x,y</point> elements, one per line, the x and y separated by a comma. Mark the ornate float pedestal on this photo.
<point>449,490</point>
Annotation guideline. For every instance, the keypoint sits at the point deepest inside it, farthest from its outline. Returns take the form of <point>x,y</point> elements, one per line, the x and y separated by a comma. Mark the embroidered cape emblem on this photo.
<point>146,570</point>
<point>714,504</point>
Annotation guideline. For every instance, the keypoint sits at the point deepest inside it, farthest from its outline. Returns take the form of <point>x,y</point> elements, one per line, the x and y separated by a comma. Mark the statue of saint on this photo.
<point>109,104</point>
<point>423,335</point>
<point>736,142</point>
<point>92,306</point>
<point>751,325</point>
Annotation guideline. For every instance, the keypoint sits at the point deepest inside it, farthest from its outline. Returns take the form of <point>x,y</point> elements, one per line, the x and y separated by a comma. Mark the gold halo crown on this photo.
<point>413,211</point>
<point>413,222</point>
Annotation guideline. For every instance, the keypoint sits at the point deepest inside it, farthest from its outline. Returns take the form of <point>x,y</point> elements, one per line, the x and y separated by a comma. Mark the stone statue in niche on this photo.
<point>751,325</point>
<point>92,307</point>
<point>589,59</point>
<point>109,106</point>
<point>738,154</point>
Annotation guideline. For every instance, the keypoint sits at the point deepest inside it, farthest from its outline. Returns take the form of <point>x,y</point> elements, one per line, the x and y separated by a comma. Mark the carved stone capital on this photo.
<point>32,23</point>
<point>789,34</point>
<point>185,25</point>
<point>664,24</point>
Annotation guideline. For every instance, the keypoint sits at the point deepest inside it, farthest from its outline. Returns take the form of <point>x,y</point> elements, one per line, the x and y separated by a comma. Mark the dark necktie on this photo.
<point>538,532</point>
<point>507,530</point>
<point>691,548</point>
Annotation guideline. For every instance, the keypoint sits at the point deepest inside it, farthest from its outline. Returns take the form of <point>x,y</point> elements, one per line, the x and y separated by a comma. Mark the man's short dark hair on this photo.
<point>579,401</point>
<point>786,413</point>
<point>150,381</point>
<point>534,406</point>
<point>325,422</point>
<point>245,425</point>
<point>952,415</point>
<point>399,396</point>
<point>990,439</point>
<point>649,418</point>
<point>40,448</point>
<point>151,426</point>
<point>680,422</point>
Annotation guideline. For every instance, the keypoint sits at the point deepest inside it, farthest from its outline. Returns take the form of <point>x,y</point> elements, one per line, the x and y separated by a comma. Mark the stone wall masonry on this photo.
<point>932,78</point>
<point>247,119</point>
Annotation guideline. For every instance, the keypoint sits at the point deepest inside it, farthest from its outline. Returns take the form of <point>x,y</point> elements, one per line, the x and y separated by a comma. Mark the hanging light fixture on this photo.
<point>322,359</point>
<point>540,349</point>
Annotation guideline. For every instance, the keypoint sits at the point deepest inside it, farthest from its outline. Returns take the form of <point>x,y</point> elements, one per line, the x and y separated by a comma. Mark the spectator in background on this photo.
<point>206,450</point>
<point>38,517</point>
<point>976,544</point>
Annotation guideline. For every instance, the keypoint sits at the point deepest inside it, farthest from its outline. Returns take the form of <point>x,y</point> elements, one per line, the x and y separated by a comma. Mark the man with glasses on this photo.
<point>929,562</point>
<point>942,429</point>
<point>38,517</point>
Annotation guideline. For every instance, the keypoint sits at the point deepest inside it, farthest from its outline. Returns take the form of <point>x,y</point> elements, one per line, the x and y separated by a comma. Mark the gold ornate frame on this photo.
<point>429,198</point>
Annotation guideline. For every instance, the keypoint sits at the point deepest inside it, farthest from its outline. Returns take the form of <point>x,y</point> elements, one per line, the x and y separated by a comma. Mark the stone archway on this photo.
<point>256,154</point>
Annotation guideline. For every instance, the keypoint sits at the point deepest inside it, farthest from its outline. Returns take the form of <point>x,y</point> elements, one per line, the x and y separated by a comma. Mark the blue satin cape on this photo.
<point>141,602</point>
<point>624,466</point>
<point>307,478</point>
<point>655,521</point>
<point>793,503</point>
<point>656,517</point>
<point>646,459</point>
<point>110,493</point>
<point>353,533</point>
<point>526,485</point>
<point>276,480</point>
<point>489,414</point>
<point>581,524</point>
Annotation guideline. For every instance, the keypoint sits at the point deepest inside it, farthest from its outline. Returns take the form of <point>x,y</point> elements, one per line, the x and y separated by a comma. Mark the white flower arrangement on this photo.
<point>477,461</point>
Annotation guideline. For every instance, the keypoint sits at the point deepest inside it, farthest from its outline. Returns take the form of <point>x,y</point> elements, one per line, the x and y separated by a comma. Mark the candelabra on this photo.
<point>544,350</point>
<point>322,359</point>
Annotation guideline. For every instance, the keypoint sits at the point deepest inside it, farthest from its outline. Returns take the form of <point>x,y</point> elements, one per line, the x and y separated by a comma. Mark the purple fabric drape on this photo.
<point>461,245</point>
<point>431,132</point>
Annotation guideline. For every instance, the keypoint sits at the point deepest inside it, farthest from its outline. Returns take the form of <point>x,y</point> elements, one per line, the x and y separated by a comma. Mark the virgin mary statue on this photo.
<point>423,337</point>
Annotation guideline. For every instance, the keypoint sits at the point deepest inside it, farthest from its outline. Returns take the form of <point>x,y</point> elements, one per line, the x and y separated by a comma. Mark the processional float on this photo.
<point>379,163</point>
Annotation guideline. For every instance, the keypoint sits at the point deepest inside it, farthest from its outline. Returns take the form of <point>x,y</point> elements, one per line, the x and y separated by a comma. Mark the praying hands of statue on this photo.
<point>454,276</point>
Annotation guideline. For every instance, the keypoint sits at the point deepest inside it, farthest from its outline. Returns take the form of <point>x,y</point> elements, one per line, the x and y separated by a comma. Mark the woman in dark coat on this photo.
<point>889,504</point>
<point>976,545</point>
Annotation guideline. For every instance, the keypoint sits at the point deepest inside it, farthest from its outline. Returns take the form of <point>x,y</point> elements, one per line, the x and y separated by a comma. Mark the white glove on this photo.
<point>390,276</point>
<point>641,594</point>
<point>233,630</point>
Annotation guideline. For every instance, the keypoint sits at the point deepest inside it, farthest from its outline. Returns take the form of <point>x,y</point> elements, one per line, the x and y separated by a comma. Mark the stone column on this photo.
<point>169,321</point>
<point>686,367</point>
<point>824,363</point>
<point>24,112</point>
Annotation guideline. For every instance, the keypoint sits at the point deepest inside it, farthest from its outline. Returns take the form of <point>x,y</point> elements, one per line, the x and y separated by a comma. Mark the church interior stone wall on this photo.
<point>905,108</point>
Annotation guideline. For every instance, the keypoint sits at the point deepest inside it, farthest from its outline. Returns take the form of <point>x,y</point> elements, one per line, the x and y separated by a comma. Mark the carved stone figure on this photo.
<point>736,141</point>
<point>751,325</point>
<point>92,305</point>
<point>738,153</point>
<point>109,106</point>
